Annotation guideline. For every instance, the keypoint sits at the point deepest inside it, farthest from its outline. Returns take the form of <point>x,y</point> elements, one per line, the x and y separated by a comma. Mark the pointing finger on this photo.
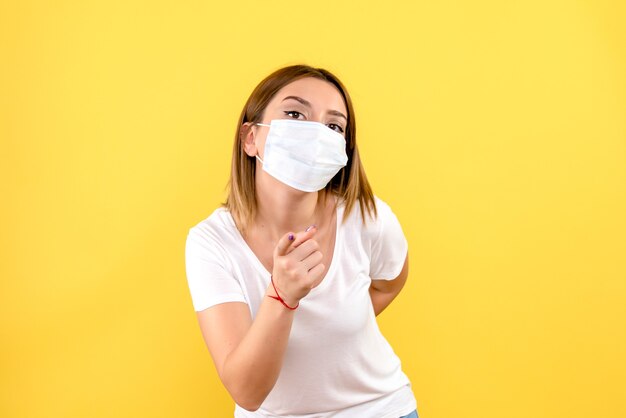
<point>302,237</point>
<point>283,244</point>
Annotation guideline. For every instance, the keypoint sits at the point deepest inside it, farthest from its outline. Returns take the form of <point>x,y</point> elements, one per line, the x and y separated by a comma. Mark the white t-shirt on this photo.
<point>337,363</point>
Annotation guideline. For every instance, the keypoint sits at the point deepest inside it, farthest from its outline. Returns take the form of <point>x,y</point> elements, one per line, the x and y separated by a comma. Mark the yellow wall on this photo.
<point>495,129</point>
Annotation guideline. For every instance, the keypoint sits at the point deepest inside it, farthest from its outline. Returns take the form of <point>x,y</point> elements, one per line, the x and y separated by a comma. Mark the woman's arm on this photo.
<point>247,354</point>
<point>382,292</point>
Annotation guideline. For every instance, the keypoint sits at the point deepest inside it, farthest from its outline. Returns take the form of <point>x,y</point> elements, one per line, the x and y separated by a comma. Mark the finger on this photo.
<point>283,244</point>
<point>302,237</point>
<point>303,251</point>
<point>313,260</point>
<point>316,274</point>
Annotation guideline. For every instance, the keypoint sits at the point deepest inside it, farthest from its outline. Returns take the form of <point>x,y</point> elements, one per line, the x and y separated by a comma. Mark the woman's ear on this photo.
<point>246,137</point>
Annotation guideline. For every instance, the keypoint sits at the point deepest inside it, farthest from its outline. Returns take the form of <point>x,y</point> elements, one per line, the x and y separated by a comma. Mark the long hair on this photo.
<point>349,184</point>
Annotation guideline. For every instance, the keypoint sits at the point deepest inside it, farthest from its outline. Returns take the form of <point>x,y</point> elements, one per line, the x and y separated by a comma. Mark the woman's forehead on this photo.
<point>317,92</point>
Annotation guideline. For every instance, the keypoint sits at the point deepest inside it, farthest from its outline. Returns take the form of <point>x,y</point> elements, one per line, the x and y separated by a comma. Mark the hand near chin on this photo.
<point>298,266</point>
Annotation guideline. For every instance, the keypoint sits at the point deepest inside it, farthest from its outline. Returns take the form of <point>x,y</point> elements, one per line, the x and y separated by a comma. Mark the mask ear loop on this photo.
<point>260,124</point>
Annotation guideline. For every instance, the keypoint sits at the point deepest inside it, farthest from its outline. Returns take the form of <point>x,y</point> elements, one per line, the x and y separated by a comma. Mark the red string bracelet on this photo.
<point>278,298</point>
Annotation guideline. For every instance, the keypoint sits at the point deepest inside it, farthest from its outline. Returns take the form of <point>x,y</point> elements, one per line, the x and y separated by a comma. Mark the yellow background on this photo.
<point>496,130</point>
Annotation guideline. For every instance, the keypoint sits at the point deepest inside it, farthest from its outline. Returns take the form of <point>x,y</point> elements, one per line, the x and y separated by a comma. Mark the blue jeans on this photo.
<point>411,415</point>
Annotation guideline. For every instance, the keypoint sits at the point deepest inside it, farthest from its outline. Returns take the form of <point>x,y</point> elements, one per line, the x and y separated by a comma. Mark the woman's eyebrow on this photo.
<point>300,99</point>
<point>337,113</point>
<point>308,104</point>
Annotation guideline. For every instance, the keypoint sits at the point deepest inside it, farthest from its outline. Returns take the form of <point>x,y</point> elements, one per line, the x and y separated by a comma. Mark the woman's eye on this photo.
<point>335,127</point>
<point>293,113</point>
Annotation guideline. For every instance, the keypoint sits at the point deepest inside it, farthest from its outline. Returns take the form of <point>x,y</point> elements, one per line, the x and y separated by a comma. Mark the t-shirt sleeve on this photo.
<point>389,246</point>
<point>208,274</point>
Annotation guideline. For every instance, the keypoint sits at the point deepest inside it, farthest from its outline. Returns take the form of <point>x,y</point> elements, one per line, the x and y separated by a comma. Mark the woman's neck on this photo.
<point>281,209</point>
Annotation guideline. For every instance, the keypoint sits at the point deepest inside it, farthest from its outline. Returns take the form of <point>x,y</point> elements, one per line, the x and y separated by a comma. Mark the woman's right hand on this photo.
<point>298,266</point>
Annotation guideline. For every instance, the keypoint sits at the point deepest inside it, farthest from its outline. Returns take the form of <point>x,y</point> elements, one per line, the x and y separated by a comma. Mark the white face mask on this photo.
<point>302,154</point>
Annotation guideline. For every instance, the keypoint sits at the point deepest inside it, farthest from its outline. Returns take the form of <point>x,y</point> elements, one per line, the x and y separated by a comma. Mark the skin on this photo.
<point>248,353</point>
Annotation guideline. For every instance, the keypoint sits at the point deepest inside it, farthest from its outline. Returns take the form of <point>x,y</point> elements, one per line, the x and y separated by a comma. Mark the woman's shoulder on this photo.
<point>368,224</point>
<point>214,227</point>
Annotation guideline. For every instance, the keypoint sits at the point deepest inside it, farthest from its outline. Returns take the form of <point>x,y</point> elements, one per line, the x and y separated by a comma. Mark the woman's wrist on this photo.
<point>274,292</point>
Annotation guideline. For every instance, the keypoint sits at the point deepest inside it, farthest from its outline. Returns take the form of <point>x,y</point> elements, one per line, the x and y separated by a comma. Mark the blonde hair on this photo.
<point>349,184</point>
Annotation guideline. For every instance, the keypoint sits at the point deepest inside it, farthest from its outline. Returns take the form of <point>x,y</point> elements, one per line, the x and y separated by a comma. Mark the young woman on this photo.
<point>288,275</point>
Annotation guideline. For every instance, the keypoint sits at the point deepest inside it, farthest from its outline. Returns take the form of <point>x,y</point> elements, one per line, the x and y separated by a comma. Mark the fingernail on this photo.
<point>290,237</point>
<point>309,228</point>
